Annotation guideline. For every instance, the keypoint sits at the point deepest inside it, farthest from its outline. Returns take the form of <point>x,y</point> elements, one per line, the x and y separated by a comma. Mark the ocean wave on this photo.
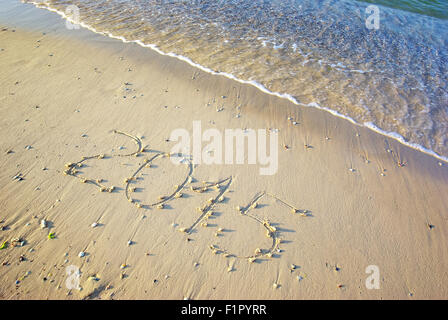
<point>343,68</point>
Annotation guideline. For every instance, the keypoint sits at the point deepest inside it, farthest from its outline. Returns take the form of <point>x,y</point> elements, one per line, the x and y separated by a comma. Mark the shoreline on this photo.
<point>286,96</point>
<point>64,94</point>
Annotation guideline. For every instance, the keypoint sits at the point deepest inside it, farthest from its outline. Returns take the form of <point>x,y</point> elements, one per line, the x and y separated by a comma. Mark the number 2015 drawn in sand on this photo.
<point>206,211</point>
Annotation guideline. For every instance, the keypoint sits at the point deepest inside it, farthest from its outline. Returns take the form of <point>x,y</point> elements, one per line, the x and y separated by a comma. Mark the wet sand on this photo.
<point>343,197</point>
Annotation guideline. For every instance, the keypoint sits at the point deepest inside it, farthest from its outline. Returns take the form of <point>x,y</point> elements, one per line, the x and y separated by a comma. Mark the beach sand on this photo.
<point>62,95</point>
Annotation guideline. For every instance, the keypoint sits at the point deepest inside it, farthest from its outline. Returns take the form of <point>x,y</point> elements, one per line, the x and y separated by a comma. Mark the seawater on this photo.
<point>319,53</point>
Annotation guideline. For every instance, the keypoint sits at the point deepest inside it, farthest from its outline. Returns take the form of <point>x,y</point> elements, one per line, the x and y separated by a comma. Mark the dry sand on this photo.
<point>62,93</point>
